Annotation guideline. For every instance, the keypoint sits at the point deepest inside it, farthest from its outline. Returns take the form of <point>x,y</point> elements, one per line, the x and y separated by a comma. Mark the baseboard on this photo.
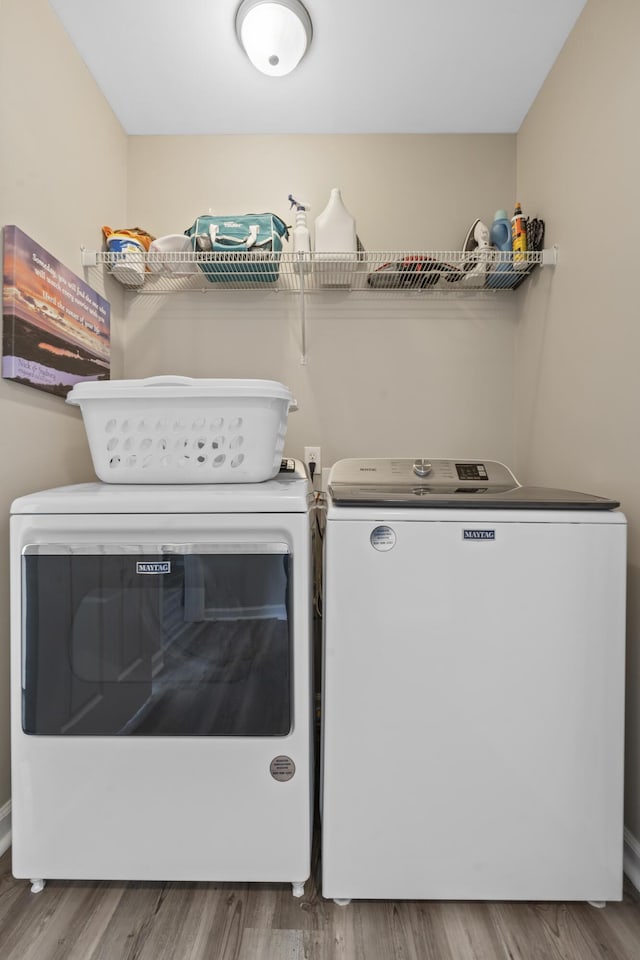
<point>632,858</point>
<point>5,827</point>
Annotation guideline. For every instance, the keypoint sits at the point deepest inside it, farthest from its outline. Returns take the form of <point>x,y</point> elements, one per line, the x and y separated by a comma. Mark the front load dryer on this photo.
<point>160,681</point>
<point>473,697</point>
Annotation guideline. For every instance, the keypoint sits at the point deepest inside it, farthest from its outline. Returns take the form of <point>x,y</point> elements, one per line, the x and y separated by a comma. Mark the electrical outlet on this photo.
<point>312,455</point>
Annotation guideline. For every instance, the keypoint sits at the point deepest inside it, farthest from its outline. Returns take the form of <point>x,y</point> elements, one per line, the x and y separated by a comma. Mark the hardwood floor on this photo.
<point>223,921</point>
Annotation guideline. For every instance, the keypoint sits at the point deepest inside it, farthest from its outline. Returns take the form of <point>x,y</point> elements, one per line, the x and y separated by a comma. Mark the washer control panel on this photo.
<point>436,472</point>
<point>418,481</point>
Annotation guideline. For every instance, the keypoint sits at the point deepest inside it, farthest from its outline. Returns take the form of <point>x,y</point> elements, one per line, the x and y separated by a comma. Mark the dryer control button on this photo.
<point>422,468</point>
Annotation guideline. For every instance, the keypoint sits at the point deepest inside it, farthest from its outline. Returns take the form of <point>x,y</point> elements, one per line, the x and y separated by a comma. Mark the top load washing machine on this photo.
<point>161,682</point>
<point>473,686</point>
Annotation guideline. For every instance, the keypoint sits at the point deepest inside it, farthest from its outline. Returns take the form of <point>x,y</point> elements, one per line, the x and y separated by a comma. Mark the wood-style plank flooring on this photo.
<point>224,921</point>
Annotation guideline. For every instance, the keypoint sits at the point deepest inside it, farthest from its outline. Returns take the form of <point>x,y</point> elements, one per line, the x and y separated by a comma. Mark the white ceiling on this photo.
<point>401,66</point>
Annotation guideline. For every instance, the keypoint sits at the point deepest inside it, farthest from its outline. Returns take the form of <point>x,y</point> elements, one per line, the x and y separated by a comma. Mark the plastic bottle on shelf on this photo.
<point>336,242</point>
<point>519,238</point>
<point>500,232</point>
<point>300,233</point>
<point>502,274</point>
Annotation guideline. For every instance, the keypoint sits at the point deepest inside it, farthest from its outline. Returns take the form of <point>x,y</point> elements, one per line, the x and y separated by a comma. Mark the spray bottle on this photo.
<point>301,235</point>
<point>519,238</point>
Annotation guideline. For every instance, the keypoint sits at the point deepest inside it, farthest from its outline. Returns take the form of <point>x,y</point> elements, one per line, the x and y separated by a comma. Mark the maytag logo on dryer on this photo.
<point>153,566</point>
<point>478,534</point>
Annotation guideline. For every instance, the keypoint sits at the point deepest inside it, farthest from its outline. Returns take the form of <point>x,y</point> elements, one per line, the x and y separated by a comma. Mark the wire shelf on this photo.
<point>449,271</point>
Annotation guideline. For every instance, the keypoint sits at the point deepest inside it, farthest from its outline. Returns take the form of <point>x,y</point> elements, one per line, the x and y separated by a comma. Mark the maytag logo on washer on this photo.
<point>478,534</point>
<point>153,566</point>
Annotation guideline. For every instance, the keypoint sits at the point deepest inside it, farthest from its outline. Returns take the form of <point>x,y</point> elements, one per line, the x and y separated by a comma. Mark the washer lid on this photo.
<point>425,482</point>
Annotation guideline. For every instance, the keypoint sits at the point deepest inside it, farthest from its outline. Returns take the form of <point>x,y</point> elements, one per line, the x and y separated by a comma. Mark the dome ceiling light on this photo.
<point>274,34</point>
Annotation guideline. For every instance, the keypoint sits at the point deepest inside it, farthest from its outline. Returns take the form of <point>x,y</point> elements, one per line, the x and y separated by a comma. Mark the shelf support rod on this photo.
<point>303,307</point>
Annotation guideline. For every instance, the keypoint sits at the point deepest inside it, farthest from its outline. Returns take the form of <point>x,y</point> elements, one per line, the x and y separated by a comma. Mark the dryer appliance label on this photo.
<point>153,566</point>
<point>282,768</point>
<point>478,534</point>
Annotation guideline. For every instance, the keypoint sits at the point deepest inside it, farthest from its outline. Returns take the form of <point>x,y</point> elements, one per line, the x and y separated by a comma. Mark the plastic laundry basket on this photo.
<point>184,430</point>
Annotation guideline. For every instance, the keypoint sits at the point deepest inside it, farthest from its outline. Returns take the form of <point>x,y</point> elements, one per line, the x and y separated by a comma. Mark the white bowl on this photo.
<point>161,253</point>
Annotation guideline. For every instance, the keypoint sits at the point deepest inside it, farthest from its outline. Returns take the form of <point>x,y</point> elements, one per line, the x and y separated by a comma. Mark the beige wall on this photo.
<point>578,341</point>
<point>406,192</point>
<point>385,376</point>
<point>62,173</point>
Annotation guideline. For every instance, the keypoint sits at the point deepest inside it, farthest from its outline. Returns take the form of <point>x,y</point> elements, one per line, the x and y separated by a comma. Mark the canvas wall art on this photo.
<point>56,328</point>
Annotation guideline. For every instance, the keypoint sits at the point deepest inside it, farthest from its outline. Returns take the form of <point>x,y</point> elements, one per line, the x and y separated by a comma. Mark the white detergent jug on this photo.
<point>336,243</point>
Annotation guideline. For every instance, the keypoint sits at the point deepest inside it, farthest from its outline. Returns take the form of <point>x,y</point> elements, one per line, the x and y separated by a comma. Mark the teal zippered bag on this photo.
<point>243,249</point>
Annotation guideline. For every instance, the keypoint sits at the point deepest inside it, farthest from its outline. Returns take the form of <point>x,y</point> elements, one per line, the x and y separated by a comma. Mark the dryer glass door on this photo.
<point>157,640</point>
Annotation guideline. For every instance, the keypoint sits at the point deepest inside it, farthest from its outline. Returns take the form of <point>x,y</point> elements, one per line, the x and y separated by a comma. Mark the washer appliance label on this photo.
<point>153,566</point>
<point>383,538</point>
<point>478,534</point>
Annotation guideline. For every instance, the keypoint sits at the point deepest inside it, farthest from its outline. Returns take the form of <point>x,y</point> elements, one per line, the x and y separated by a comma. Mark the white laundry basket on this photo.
<point>184,430</point>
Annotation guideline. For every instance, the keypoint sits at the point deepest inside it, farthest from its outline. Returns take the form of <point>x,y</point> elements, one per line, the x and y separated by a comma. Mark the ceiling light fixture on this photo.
<point>274,34</point>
